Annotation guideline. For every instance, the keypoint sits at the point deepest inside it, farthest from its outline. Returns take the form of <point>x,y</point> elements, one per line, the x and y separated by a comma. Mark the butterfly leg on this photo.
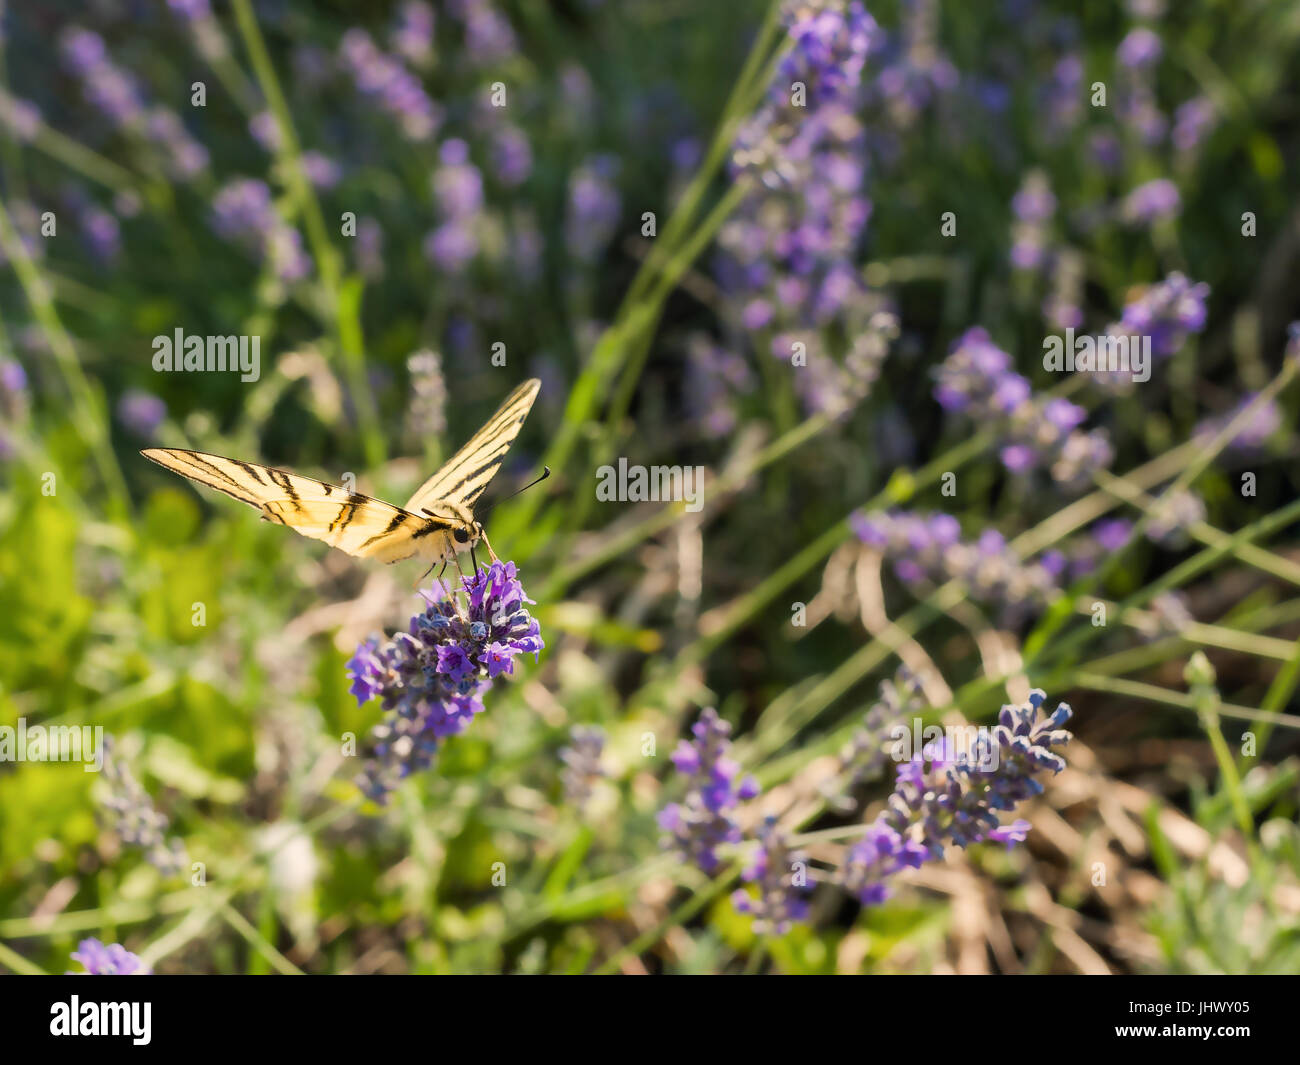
<point>457,599</point>
<point>491,554</point>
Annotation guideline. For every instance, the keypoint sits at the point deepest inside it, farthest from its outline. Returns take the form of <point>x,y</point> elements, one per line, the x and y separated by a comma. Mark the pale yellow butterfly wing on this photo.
<point>463,477</point>
<point>358,524</point>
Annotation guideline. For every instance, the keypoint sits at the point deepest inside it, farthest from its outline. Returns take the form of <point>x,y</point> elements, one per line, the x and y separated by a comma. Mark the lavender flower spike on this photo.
<point>783,884</point>
<point>582,765</point>
<point>702,822</point>
<point>111,960</point>
<point>137,820</point>
<point>431,679</point>
<point>941,798</point>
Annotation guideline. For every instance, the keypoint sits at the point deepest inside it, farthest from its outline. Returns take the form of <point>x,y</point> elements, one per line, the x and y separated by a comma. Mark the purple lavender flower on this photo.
<point>370,249</point>
<point>1154,201</point>
<point>1106,150</point>
<point>1063,95</point>
<point>102,233</point>
<point>190,9</point>
<point>918,71</point>
<point>1192,122</point>
<point>322,171</point>
<point>427,412</point>
<point>703,821</point>
<point>828,51</point>
<point>526,246</point>
<point>412,37</point>
<point>452,246</point>
<point>927,549</point>
<point>457,183</point>
<point>209,39</point>
<point>1063,306</point>
<point>242,212</point>
<point>431,680</point>
<point>1252,436</point>
<point>582,764</point>
<point>830,47</point>
<point>783,881</point>
<point>185,157</point>
<point>14,402</point>
<point>942,799</point>
<point>1168,312</point>
<point>20,117</point>
<point>899,699</point>
<point>13,378</point>
<point>111,960</point>
<point>107,87</point>
<point>512,156</point>
<point>1169,518</point>
<point>242,209</point>
<point>1112,533</point>
<point>716,377</point>
<point>489,37</point>
<point>1140,49</point>
<point>390,85</point>
<point>1033,433</point>
<point>289,259</point>
<point>265,130</point>
<point>1033,206</point>
<point>594,208</point>
<point>141,412</point>
<point>136,820</point>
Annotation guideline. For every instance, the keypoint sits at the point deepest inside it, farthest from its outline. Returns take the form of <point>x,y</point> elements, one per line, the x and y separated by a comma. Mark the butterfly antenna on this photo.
<point>546,472</point>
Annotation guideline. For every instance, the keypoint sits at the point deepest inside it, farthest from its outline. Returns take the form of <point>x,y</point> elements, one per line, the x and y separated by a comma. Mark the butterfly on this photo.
<point>436,524</point>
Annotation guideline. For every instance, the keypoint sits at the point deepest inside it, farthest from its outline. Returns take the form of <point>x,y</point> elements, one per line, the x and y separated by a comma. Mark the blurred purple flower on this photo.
<point>582,763</point>
<point>111,960</point>
<point>265,130</point>
<point>1140,49</point>
<point>412,37</point>
<point>107,87</point>
<point>594,208</point>
<point>457,183</point>
<point>370,249</point>
<point>451,246</point>
<point>136,819</point>
<point>1152,202</point>
<point>512,156</point>
<point>322,171</point>
<point>1252,436</point>
<point>1034,433</point>
<point>426,414</point>
<point>1168,312</point>
<point>489,37</point>
<point>395,89</point>
<point>102,233</point>
<point>21,117</point>
<point>926,550</point>
<point>141,412</point>
<point>783,882</point>
<point>1192,121</point>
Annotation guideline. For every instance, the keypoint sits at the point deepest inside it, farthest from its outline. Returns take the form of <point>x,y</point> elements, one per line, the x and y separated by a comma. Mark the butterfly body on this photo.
<point>436,524</point>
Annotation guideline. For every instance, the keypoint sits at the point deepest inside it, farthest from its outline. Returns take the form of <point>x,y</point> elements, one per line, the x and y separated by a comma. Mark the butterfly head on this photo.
<point>467,535</point>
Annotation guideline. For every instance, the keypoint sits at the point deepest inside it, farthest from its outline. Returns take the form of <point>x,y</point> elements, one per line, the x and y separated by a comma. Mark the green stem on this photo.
<point>344,301</point>
<point>86,408</point>
<point>679,916</point>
